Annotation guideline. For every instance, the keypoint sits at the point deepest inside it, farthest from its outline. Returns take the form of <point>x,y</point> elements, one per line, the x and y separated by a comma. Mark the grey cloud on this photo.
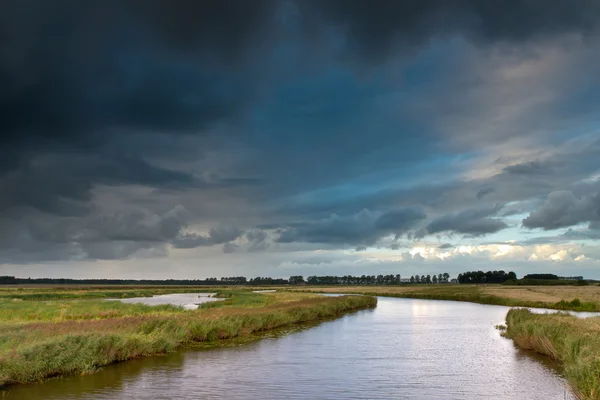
<point>215,236</point>
<point>230,247</point>
<point>593,233</point>
<point>399,221</point>
<point>529,168</point>
<point>510,213</point>
<point>563,209</point>
<point>258,240</point>
<point>446,246</point>
<point>363,228</point>
<point>484,192</point>
<point>42,237</point>
<point>472,222</point>
<point>61,185</point>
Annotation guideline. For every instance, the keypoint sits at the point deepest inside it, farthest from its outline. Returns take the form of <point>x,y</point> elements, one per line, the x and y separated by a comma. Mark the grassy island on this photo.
<point>51,332</point>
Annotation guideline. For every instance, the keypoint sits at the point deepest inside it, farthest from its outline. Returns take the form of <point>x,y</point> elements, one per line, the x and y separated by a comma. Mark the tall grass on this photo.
<point>33,351</point>
<point>575,342</point>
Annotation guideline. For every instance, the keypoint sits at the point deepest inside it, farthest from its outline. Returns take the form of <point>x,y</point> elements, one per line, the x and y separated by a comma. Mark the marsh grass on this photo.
<point>574,342</point>
<point>92,293</point>
<point>483,294</point>
<point>59,337</point>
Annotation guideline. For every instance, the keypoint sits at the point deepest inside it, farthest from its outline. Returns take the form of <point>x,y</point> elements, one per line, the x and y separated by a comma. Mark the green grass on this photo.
<point>41,339</point>
<point>57,310</point>
<point>574,342</point>
<point>86,293</point>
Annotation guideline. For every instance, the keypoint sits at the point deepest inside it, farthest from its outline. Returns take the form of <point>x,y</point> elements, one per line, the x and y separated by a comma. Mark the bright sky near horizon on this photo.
<point>190,139</point>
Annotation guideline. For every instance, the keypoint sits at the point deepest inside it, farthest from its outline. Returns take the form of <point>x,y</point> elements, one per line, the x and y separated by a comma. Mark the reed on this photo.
<point>574,342</point>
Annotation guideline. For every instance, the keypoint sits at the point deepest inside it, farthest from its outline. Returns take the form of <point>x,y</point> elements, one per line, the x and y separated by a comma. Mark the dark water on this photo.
<point>403,349</point>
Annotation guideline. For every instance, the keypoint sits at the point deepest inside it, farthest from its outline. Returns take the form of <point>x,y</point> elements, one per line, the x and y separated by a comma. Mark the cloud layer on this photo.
<point>217,130</point>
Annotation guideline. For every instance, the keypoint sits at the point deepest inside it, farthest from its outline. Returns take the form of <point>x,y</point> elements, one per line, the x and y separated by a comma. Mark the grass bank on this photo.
<point>558,298</point>
<point>572,341</point>
<point>66,293</point>
<point>41,339</point>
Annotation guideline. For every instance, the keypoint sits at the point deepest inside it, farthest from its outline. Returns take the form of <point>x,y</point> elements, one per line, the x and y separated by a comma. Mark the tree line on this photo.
<point>485,277</point>
<point>352,280</point>
<point>231,280</point>
<point>390,279</point>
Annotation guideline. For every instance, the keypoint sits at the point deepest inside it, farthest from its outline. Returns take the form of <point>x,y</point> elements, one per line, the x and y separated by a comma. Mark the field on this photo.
<point>575,298</point>
<point>56,331</point>
<point>572,341</point>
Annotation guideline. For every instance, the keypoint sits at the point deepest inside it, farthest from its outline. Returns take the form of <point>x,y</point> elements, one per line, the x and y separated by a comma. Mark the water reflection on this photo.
<point>404,349</point>
<point>189,301</point>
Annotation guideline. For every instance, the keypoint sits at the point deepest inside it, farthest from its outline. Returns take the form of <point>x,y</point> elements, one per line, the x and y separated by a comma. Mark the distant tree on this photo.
<point>428,279</point>
<point>434,279</point>
<point>296,280</point>
<point>423,279</point>
<point>484,277</point>
<point>446,276</point>
<point>412,279</point>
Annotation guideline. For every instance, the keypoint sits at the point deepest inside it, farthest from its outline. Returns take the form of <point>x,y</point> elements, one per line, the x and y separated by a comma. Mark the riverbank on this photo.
<point>574,342</point>
<point>572,298</point>
<point>42,339</point>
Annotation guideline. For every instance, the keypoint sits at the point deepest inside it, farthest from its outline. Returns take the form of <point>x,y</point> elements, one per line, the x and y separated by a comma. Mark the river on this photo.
<point>403,349</point>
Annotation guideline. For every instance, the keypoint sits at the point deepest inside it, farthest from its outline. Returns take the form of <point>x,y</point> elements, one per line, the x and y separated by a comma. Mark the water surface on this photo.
<point>403,349</point>
<point>189,301</point>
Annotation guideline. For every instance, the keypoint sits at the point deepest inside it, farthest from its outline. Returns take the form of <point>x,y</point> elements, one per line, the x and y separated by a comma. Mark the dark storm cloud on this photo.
<point>472,222</point>
<point>71,70</point>
<point>125,93</point>
<point>374,28</point>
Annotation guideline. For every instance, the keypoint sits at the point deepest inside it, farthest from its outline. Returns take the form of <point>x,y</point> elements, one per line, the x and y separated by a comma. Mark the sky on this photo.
<point>191,139</point>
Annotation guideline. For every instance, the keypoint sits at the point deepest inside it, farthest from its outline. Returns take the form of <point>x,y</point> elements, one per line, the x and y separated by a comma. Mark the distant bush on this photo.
<point>541,276</point>
<point>543,282</point>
